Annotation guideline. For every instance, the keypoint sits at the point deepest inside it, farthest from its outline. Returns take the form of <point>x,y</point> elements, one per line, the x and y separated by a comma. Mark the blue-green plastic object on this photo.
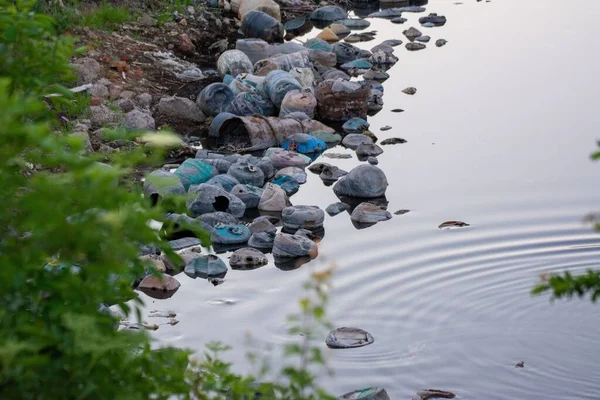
<point>304,143</point>
<point>206,266</point>
<point>278,83</point>
<point>355,125</point>
<point>214,98</point>
<point>194,172</point>
<point>230,234</point>
<point>287,183</point>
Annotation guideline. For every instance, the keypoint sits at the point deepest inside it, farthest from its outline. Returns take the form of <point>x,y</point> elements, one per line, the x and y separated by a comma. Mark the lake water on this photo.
<point>499,136</point>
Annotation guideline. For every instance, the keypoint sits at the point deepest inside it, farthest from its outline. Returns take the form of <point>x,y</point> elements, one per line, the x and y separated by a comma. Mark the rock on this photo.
<point>144,100</point>
<point>354,23</point>
<point>410,91</point>
<point>331,174</point>
<point>385,128</point>
<point>355,125</point>
<point>399,20</point>
<point>247,259</point>
<point>207,198</point>
<point>217,218</point>
<point>328,14</point>
<point>441,42</point>
<point>415,46</point>
<point>249,194</point>
<point>394,140</point>
<point>297,173</point>
<point>434,19</point>
<point>262,224</point>
<point>328,35</point>
<point>180,107</point>
<point>87,69</point>
<point>337,208</point>
<point>346,338</point>
<point>247,174</point>
<point>163,286</point>
<point>392,42</point>
<point>412,33</point>
<point>401,212</point>
<point>273,198</point>
<point>382,47</point>
<point>370,393</point>
<point>434,394</point>
<point>206,266</point>
<point>138,120</point>
<point>363,181</point>
<point>291,246</point>
<point>126,105</point>
<point>99,91</point>
<point>453,224</point>
<point>224,181</point>
<point>302,217</point>
<point>230,234</point>
<point>367,213</point>
<point>317,168</point>
<point>368,150</point>
<point>102,115</point>
<point>339,29</point>
<point>373,160</point>
<point>374,75</point>
<point>339,156</point>
<point>85,138</point>
<point>423,39</point>
<point>262,240</point>
<point>353,140</point>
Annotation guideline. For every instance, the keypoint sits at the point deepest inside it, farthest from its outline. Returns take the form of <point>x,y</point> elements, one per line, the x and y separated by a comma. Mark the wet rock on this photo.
<point>412,33</point>
<point>415,46</point>
<point>339,156</point>
<point>302,217</point>
<point>394,140</point>
<point>273,198</point>
<point>230,234</point>
<point>331,174</point>
<point>247,174</point>
<point>382,47</point>
<point>423,39</point>
<point>247,259</point>
<point>234,62</point>
<point>287,183</point>
<point>291,246</point>
<point>363,181</point>
<point>379,76</point>
<point>87,69</point>
<point>138,120</point>
<point>388,13</point>
<point>262,240</point>
<point>346,338</point>
<point>102,115</point>
<point>453,224</point>
<point>262,224</point>
<point>161,183</point>
<point>337,208</point>
<point>410,91</point>
<point>392,42</point>
<point>355,23</point>
<point>328,35</point>
<point>383,58</point>
<point>144,100</point>
<point>328,138</point>
<point>434,394</point>
<point>207,198</point>
<point>368,150</point>
<point>206,266</point>
<point>194,172</point>
<point>436,20</point>
<point>441,42</point>
<point>161,287</point>
<point>217,218</point>
<point>224,181</point>
<point>401,212</point>
<point>297,173</point>
<point>367,213</point>
<point>184,243</point>
<point>385,128</point>
<point>370,393</point>
<point>353,140</point>
<point>355,125</point>
<point>520,364</point>
<point>180,107</point>
<point>317,168</point>
<point>399,20</point>
<point>328,14</point>
<point>373,160</point>
<point>249,194</point>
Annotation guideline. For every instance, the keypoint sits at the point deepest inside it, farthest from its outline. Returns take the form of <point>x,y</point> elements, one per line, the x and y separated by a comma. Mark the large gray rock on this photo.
<point>207,198</point>
<point>99,90</point>
<point>138,120</point>
<point>364,181</point>
<point>180,107</point>
<point>102,115</point>
<point>353,140</point>
<point>87,69</point>
<point>292,246</point>
<point>302,217</point>
<point>262,240</point>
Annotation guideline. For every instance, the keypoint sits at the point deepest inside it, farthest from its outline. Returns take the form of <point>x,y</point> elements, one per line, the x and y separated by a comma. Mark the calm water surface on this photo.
<point>499,136</point>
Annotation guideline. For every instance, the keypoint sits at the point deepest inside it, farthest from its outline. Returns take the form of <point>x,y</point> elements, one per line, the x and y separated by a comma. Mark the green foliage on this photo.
<point>567,285</point>
<point>76,106</point>
<point>107,17</point>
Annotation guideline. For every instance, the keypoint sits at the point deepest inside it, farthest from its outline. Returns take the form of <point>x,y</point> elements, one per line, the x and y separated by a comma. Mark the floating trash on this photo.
<point>370,393</point>
<point>302,217</point>
<point>234,62</point>
<point>262,240</point>
<point>215,98</point>
<point>363,181</point>
<point>415,46</point>
<point>292,246</point>
<point>207,198</point>
<point>346,338</point>
<point>194,172</point>
<point>367,213</point>
<point>453,224</point>
<point>401,212</point>
<point>274,198</point>
<point>247,259</point>
<point>161,183</point>
<point>206,266</point>
<point>427,394</point>
<point>337,208</point>
<point>441,42</point>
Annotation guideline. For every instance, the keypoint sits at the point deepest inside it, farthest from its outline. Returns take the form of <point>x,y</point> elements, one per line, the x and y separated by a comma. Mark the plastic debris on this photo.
<point>194,172</point>
<point>302,100</point>
<point>214,98</point>
<point>234,62</point>
<point>355,125</point>
<point>273,198</point>
<point>230,234</point>
<point>224,181</point>
<point>249,194</point>
<point>247,173</point>
<point>370,393</point>
<point>262,240</point>
<point>368,149</point>
<point>259,25</point>
<point>291,246</point>
<point>304,143</point>
<point>207,198</point>
<point>367,213</point>
<point>302,217</point>
<point>297,173</point>
<point>353,140</point>
<point>247,259</point>
<point>364,181</point>
<point>206,266</point>
<point>346,338</point>
<point>342,100</point>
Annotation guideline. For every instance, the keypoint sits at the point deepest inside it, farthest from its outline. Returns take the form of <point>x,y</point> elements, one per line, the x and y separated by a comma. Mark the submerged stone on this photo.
<point>331,174</point>
<point>346,338</point>
<point>353,23</point>
<point>389,13</point>
<point>399,20</point>
<point>160,287</point>
<point>353,140</point>
<point>337,208</point>
<point>206,266</point>
<point>230,234</point>
<point>370,393</point>
<point>368,150</point>
<point>291,246</point>
<point>247,258</point>
<point>367,213</point>
<point>363,181</point>
<point>302,217</point>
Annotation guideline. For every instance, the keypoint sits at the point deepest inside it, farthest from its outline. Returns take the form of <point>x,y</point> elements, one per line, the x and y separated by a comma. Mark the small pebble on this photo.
<point>402,212</point>
<point>385,128</point>
<point>410,91</point>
